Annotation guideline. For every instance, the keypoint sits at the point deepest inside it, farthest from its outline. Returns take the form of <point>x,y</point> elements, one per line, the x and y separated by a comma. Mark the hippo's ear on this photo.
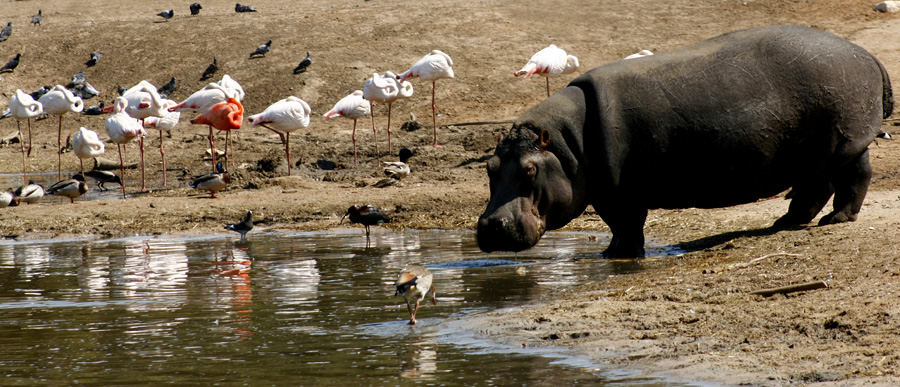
<point>500,138</point>
<point>544,141</point>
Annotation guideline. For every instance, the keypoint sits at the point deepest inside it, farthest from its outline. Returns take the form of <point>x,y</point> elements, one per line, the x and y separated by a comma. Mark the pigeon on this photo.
<point>11,65</point>
<point>37,19</point>
<point>77,79</point>
<point>261,50</point>
<point>85,91</point>
<point>168,88</point>
<point>121,90</point>
<point>95,56</point>
<point>37,94</point>
<point>301,68</point>
<point>4,34</point>
<point>243,8</point>
<point>167,14</point>
<point>210,70</point>
<point>195,9</point>
<point>95,110</point>
<point>243,227</point>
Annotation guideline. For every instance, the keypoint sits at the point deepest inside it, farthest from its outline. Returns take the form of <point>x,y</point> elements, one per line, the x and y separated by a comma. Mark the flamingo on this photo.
<point>436,65</point>
<point>385,89</point>
<point>229,83</point>
<point>354,107</point>
<point>226,116</point>
<point>59,101</point>
<point>121,129</point>
<point>286,115</point>
<point>86,144</point>
<point>552,61</point>
<point>143,102</point>
<point>202,99</point>
<point>165,123</point>
<point>23,106</point>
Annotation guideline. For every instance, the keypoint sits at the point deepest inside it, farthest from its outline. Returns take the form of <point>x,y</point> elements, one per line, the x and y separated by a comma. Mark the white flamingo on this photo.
<point>436,65</point>
<point>22,106</point>
<point>385,89</point>
<point>354,107</point>
<point>284,117</point>
<point>143,102</point>
<point>59,101</point>
<point>552,61</point>
<point>229,83</point>
<point>86,144</point>
<point>121,129</point>
<point>203,99</point>
<point>165,123</point>
<point>640,54</point>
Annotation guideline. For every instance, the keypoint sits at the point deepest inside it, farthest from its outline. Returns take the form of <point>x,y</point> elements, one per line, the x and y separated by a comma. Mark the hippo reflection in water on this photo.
<point>726,121</point>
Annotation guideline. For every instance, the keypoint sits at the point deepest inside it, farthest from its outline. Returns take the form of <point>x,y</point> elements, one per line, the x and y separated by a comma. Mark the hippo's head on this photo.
<point>530,192</point>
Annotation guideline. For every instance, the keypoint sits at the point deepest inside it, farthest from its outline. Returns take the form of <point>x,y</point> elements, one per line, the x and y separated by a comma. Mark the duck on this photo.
<point>8,199</point>
<point>415,284</point>
<point>395,170</point>
<point>30,193</point>
<point>71,188</point>
<point>366,215</point>
<point>243,227</point>
<point>213,182</point>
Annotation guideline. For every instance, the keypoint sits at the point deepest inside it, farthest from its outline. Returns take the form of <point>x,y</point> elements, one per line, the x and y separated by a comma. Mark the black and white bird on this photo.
<point>395,170</point>
<point>210,70</point>
<point>11,65</point>
<point>30,193</point>
<point>121,90</point>
<point>85,91</point>
<point>243,8</point>
<point>95,56</point>
<point>103,177</point>
<point>37,94</point>
<point>195,9</point>
<point>213,182</point>
<point>95,110</point>
<point>5,32</point>
<point>168,88</point>
<point>301,68</point>
<point>243,227</point>
<point>261,50</point>
<point>77,79</point>
<point>415,284</point>
<point>37,19</point>
<point>71,188</point>
<point>167,14</point>
<point>366,215</point>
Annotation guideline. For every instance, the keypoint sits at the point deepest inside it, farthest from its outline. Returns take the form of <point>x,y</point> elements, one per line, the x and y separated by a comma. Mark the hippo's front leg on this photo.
<point>627,226</point>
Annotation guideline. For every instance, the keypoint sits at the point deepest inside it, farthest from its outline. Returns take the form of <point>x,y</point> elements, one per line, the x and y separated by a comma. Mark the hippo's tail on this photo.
<point>887,98</point>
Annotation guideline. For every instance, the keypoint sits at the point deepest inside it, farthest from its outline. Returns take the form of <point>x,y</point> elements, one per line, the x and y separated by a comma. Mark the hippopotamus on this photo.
<point>722,122</point>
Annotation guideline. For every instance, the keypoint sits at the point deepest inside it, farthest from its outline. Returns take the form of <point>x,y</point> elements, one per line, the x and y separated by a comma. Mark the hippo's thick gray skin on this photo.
<point>723,122</point>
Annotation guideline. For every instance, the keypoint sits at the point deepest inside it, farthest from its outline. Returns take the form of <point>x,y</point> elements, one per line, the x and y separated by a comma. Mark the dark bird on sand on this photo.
<point>85,91</point>
<point>414,284</point>
<point>213,182</point>
<point>95,110</point>
<point>5,32</point>
<point>121,90</point>
<point>243,227</point>
<point>366,215</point>
<point>210,70</point>
<point>301,68</point>
<point>95,56</point>
<point>103,177</point>
<point>37,19</point>
<point>168,88</point>
<point>77,79</point>
<point>37,94</point>
<point>195,9</point>
<point>71,188</point>
<point>167,14</point>
<point>11,65</point>
<point>261,50</point>
<point>243,8</point>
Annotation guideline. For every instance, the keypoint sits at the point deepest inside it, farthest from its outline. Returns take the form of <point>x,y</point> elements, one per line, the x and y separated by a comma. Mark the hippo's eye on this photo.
<point>530,171</point>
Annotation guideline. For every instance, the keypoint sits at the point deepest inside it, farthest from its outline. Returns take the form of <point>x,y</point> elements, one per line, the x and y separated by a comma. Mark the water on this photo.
<point>282,309</point>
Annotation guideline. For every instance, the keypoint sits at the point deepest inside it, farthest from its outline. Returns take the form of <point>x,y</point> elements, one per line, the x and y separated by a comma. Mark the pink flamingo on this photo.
<point>436,65</point>
<point>165,123</point>
<point>86,144</point>
<point>23,106</point>
<point>552,61</point>
<point>354,107</point>
<point>121,129</point>
<point>385,89</point>
<point>285,116</point>
<point>59,101</point>
<point>226,116</point>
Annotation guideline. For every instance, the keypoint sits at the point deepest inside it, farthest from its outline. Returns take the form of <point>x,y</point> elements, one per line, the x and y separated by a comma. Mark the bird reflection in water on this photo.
<point>418,359</point>
<point>236,271</point>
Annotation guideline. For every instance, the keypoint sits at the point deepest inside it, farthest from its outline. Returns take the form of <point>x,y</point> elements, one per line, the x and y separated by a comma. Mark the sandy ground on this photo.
<point>688,315</point>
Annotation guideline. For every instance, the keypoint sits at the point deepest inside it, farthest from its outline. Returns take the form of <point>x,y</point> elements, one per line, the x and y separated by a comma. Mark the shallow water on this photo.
<point>295,309</point>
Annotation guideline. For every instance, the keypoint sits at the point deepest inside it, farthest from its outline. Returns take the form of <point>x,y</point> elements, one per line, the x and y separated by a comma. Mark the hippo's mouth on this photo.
<point>510,233</point>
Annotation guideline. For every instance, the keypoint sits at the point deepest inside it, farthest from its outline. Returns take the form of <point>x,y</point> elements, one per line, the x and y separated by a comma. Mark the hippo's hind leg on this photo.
<point>807,199</point>
<point>627,226</point>
<point>851,182</point>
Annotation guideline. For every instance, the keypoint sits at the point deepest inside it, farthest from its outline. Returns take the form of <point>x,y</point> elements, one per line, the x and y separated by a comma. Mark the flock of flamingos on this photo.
<point>219,106</point>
